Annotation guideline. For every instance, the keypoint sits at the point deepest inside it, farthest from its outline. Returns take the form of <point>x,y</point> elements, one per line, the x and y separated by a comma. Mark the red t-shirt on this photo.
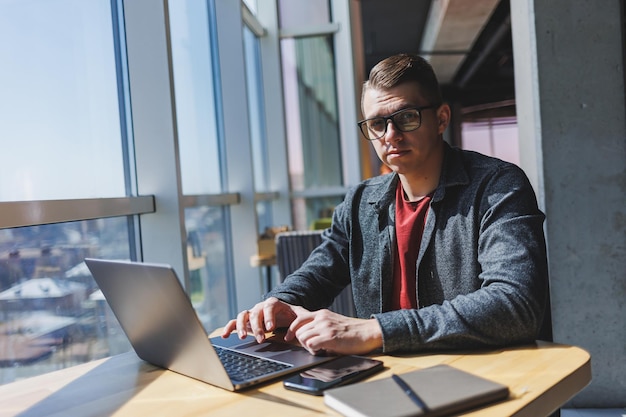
<point>410,221</point>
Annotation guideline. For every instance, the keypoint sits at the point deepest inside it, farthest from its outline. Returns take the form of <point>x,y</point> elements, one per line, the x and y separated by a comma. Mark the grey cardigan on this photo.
<point>481,269</point>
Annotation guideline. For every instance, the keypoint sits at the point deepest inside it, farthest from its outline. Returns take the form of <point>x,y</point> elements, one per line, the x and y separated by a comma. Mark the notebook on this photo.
<point>443,390</point>
<point>162,326</point>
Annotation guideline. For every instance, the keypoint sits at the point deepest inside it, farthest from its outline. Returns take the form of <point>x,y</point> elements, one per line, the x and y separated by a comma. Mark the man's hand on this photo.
<point>319,332</point>
<point>265,316</point>
<point>323,331</point>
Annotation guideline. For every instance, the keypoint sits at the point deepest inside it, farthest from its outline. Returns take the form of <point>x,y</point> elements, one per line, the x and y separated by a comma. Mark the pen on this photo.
<point>410,393</point>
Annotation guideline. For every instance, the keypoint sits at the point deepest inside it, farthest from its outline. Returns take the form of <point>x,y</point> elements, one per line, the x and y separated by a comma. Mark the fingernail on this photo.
<point>242,334</point>
<point>268,325</point>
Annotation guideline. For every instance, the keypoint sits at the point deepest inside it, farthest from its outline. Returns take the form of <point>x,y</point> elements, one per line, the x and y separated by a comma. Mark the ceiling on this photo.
<point>467,42</point>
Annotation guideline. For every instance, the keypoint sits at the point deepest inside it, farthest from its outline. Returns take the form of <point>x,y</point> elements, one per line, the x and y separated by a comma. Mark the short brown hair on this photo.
<point>401,68</point>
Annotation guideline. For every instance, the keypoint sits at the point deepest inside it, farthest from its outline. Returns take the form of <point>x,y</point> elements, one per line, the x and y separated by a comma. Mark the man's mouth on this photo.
<point>395,153</point>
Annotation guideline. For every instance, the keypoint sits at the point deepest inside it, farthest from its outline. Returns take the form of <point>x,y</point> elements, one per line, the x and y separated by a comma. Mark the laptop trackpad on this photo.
<point>251,347</point>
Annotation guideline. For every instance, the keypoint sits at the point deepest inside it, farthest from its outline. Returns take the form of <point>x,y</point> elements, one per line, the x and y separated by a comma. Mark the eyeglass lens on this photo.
<point>405,121</point>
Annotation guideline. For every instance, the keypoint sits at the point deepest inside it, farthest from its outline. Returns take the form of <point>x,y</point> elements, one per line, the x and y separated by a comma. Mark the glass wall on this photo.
<point>312,114</point>
<point>194,87</point>
<point>59,93</point>
<point>63,126</point>
<point>199,137</point>
<point>258,136</point>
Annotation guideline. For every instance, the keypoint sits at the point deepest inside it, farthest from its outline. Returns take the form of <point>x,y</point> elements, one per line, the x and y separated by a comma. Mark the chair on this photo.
<point>293,248</point>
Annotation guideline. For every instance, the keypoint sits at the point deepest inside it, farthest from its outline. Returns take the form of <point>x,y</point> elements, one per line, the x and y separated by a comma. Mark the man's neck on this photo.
<point>423,181</point>
<point>415,191</point>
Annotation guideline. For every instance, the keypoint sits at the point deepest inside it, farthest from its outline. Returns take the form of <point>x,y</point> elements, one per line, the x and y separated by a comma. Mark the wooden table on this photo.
<point>541,379</point>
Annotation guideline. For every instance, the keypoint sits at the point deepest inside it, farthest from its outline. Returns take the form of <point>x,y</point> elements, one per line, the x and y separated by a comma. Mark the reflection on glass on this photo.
<point>59,92</point>
<point>52,314</point>
<point>208,272</point>
<point>195,97</point>
<point>311,111</point>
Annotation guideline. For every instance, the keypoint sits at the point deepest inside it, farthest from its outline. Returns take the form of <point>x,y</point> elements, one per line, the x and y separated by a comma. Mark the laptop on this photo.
<point>162,326</point>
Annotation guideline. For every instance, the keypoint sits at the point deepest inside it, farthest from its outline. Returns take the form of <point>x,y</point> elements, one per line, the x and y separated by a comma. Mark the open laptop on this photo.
<point>162,326</point>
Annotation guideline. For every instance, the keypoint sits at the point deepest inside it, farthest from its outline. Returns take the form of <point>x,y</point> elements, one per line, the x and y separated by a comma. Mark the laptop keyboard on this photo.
<point>242,367</point>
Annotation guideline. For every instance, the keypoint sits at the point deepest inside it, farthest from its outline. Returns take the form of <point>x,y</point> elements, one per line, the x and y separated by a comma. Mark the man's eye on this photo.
<point>377,124</point>
<point>407,117</point>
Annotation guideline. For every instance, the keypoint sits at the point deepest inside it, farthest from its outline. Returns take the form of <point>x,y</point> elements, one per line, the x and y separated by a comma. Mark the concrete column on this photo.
<point>569,75</point>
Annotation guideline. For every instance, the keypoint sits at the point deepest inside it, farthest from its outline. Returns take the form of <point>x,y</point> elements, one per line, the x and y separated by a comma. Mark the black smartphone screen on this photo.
<point>337,372</point>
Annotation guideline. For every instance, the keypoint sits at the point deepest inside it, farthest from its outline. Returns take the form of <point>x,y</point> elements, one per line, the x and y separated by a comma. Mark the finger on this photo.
<point>229,328</point>
<point>242,324</point>
<point>303,317</point>
<point>255,320</point>
<point>311,340</point>
<point>269,315</point>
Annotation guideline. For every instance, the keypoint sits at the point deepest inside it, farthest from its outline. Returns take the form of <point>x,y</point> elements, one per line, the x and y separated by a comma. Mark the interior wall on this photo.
<point>569,70</point>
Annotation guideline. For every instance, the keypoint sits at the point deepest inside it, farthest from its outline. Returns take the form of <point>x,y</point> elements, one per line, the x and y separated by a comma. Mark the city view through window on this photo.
<point>52,315</point>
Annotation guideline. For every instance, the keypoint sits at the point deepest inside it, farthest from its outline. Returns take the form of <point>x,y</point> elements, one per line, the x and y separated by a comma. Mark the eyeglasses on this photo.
<point>405,120</point>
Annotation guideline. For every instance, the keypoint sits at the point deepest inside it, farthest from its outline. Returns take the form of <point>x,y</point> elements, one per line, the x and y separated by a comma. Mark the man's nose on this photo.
<point>392,133</point>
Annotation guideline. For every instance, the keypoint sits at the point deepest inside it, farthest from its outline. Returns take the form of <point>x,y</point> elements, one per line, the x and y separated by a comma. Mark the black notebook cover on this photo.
<point>444,389</point>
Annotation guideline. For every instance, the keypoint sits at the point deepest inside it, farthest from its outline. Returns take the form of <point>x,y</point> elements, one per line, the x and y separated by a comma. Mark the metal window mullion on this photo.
<point>251,21</point>
<point>312,30</point>
<point>33,213</point>
<point>226,199</point>
<point>242,218</point>
<point>347,95</point>
<point>153,107</point>
<point>274,111</point>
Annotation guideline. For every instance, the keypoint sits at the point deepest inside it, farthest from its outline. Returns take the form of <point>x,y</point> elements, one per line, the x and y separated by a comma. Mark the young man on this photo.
<point>445,252</point>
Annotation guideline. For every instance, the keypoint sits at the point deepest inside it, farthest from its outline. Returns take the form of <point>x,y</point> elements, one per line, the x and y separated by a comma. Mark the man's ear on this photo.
<point>443,117</point>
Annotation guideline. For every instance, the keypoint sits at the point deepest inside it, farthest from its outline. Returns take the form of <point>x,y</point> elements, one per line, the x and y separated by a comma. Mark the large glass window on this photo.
<point>59,108</point>
<point>258,136</point>
<point>196,113</point>
<point>64,139</point>
<point>198,133</point>
<point>256,110</point>
<point>312,117</point>
<point>311,110</point>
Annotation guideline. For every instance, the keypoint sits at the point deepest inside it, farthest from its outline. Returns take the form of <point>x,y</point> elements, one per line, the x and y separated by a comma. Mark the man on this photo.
<point>445,252</point>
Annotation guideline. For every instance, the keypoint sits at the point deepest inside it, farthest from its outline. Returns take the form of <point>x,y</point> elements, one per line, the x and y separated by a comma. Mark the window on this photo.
<point>200,145</point>
<point>312,125</point>
<point>258,137</point>
<point>59,93</point>
<point>312,113</point>
<point>196,113</point>
<point>65,126</point>
<point>492,136</point>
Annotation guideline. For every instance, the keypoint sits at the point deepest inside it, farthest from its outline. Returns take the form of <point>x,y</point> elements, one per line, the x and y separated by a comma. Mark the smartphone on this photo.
<point>340,371</point>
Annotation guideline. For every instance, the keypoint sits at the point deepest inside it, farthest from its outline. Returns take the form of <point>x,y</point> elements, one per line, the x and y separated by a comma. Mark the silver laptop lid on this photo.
<point>158,318</point>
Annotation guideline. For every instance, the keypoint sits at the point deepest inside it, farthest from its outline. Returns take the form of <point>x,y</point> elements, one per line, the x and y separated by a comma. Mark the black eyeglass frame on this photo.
<point>366,132</point>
